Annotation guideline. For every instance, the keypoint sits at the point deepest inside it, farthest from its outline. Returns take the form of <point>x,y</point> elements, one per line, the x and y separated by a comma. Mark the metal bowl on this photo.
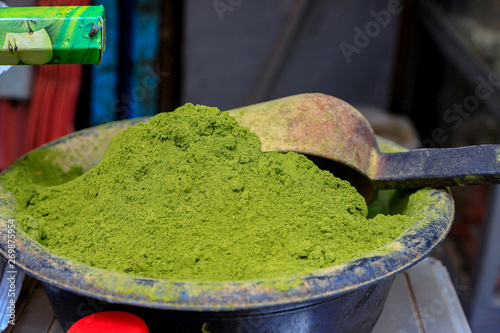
<point>342,298</point>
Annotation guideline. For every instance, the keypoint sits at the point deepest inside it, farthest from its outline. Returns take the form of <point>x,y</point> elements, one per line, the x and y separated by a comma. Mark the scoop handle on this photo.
<point>436,167</point>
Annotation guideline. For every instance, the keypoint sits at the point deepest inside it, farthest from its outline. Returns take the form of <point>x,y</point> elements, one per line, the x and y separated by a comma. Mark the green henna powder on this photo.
<point>190,196</point>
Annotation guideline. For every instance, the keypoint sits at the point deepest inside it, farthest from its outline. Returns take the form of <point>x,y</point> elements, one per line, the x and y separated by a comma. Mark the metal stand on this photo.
<point>484,307</point>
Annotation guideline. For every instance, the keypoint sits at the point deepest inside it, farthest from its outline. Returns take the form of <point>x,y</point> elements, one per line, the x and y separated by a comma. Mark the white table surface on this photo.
<point>423,300</point>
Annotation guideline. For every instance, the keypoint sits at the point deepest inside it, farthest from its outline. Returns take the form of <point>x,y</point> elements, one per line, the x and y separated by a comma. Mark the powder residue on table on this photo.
<point>190,196</point>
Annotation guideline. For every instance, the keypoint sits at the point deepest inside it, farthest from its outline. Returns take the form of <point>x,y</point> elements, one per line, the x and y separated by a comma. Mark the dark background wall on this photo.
<point>258,50</point>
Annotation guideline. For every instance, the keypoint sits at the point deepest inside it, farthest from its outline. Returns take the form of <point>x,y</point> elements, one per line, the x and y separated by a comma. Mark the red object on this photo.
<point>13,128</point>
<point>110,322</point>
<point>54,102</point>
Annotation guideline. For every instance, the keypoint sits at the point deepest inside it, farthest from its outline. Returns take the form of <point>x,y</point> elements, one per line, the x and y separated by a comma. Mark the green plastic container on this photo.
<point>52,35</point>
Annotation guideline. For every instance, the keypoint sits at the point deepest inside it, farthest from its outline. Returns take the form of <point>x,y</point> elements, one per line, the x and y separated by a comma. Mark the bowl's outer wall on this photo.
<point>357,311</point>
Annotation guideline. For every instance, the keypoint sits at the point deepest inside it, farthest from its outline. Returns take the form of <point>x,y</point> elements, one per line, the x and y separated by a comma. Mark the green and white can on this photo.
<point>52,35</point>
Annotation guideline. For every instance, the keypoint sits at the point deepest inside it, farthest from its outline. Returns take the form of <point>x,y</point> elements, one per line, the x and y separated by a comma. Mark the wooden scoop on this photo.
<point>330,130</point>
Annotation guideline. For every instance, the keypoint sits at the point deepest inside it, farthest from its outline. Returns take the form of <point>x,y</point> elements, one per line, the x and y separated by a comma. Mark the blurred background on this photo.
<point>424,73</point>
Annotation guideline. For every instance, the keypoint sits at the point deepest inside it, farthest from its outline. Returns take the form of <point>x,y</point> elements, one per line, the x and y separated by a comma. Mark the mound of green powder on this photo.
<point>190,196</point>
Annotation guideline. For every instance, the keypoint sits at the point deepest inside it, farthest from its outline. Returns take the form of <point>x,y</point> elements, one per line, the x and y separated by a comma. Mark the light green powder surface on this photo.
<point>190,196</point>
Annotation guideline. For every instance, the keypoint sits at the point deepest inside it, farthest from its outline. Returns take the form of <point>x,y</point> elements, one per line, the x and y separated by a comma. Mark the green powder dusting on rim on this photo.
<point>190,196</point>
